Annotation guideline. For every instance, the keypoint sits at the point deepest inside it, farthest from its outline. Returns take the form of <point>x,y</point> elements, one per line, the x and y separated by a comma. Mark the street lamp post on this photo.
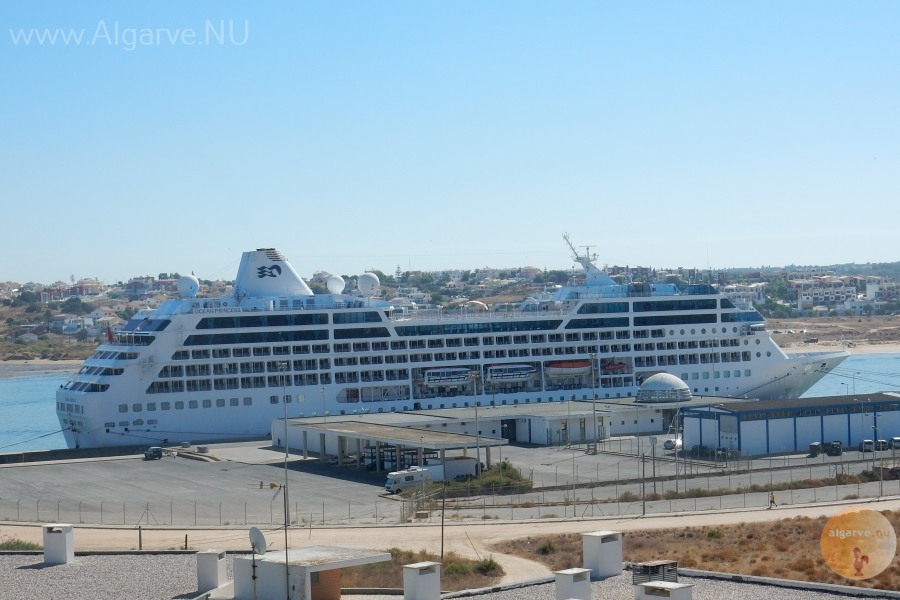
<point>477,432</point>
<point>594,402</point>
<point>324,411</point>
<point>282,366</point>
<point>875,461</point>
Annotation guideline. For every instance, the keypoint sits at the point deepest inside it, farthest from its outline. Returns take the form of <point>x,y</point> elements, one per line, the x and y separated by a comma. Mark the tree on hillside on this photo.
<point>26,298</point>
<point>75,306</point>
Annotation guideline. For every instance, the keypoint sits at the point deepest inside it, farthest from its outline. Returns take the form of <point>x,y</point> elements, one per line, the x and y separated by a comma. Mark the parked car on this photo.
<point>698,450</point>
<point>881,445</point>
<point>835,448</point>
<point>153,453</point>
<point>894,442</point>
<point>672,444</point>
<point>867,446</point>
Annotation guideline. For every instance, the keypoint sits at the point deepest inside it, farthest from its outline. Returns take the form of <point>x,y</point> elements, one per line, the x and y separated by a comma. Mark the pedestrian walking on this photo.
<point>772,500</point>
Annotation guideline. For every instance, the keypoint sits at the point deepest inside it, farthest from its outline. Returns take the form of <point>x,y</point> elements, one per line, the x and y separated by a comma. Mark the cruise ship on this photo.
<point>202,369</point>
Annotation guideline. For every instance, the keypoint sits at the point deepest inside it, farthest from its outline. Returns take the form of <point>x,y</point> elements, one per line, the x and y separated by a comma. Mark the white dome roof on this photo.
<point>663,387</point>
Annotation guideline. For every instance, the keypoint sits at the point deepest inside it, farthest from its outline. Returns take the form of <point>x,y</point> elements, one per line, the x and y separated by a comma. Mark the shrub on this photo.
<point>488,567</point>
<point>546,547</point>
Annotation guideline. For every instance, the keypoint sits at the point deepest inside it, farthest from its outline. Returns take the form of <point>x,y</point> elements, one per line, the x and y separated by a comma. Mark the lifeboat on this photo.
<point>564,368</point>
<point>510,372</point>
<point>446,375</point>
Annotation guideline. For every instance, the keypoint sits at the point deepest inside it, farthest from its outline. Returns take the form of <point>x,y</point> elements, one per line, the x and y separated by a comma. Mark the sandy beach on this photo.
<point>24,368</point>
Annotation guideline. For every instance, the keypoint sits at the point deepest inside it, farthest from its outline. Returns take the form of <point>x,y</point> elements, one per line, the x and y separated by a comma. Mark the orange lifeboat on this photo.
<point>563,368</point>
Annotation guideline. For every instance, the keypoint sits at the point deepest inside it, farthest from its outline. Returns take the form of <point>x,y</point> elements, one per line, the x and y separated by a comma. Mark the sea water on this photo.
<point>28,413</point>
<point>28,405</point>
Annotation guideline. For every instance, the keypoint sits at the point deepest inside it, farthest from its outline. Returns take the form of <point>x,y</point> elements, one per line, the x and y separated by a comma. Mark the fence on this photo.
<point>579,499</point>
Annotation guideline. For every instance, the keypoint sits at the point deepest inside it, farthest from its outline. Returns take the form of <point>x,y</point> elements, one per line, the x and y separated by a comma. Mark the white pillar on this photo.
<point>210,570</point>
<point>59,545</point>
<point>573,583</point>
<point>422,581</point>
<point>653,590</point>
<point>602,551</point>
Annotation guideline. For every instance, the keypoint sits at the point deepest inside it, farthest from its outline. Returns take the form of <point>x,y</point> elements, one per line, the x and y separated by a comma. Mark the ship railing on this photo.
<point>432,315</point>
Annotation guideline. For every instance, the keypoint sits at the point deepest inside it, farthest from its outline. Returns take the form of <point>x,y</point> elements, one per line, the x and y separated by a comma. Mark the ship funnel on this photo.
<point>266,272</point>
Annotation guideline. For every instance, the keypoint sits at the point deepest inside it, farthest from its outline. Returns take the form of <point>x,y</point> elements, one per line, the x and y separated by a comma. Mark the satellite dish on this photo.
<point>257,540</point>
<point>368,284</point>
<point>335,284</point>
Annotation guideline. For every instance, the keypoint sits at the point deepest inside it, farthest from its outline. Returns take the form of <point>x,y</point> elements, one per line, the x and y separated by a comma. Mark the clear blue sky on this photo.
<point>432,135</point>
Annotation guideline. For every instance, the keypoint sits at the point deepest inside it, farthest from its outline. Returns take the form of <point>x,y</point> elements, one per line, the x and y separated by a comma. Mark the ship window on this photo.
<point>151,406</point>
<point>273,399</point>
<point>400,345</point>
<point>199,354</point>
<point>221,352</point>
<point>234,402</point>
<point>136,407</point>
<point>165,405</point>
<point>109,424</point>
<point>181,355</point>
<point>746,372</point>
<point>123,408</point>
<point>241,352</point>
<point>207,403</point>
<point>260,352</point>
<point>192,404</point>
<point>248,401</point>
<point>138,422</point>
<point>220,402</point>
<point>179,405</point>
<point>123,423</point>
<point>301,349</point>
<point>281,350</point>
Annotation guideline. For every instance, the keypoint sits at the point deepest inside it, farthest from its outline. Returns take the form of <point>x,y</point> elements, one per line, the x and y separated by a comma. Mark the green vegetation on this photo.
<point>500,478</point>
<point>8,544</point>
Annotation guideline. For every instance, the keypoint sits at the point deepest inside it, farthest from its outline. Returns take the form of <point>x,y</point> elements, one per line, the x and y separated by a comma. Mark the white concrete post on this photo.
<point>210,570</point>
<point>422,581</point>
<point>59,545</point>
<point>602,551</point>
<point>573,583</point>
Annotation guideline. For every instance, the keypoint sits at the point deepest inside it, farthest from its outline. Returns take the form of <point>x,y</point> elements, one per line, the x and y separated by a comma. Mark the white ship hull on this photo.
<point>200,369</point>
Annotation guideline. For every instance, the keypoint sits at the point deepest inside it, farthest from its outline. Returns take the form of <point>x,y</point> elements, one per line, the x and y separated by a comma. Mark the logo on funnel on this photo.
<point>273,271</point>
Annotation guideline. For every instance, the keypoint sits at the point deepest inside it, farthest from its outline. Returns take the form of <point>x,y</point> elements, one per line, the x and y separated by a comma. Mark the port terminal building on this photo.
<point>759,427</point>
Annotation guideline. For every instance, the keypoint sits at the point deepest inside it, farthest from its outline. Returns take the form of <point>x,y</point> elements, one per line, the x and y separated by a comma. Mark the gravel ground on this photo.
<point>169,577</point>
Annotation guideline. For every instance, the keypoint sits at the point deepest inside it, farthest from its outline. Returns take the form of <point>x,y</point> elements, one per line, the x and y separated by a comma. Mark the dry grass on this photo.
<point>787,549</point>
<point>457,573</point>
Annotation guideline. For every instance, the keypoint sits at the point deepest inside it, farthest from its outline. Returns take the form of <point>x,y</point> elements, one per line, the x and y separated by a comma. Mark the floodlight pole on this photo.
<point>594,401</point>
<point>282,366</point>
<point>475,374</point>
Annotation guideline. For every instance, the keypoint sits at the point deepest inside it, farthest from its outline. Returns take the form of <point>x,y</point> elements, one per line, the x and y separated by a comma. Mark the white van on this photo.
<point>411,477</point>
<point>894,442</point>
<point>867,446</point>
